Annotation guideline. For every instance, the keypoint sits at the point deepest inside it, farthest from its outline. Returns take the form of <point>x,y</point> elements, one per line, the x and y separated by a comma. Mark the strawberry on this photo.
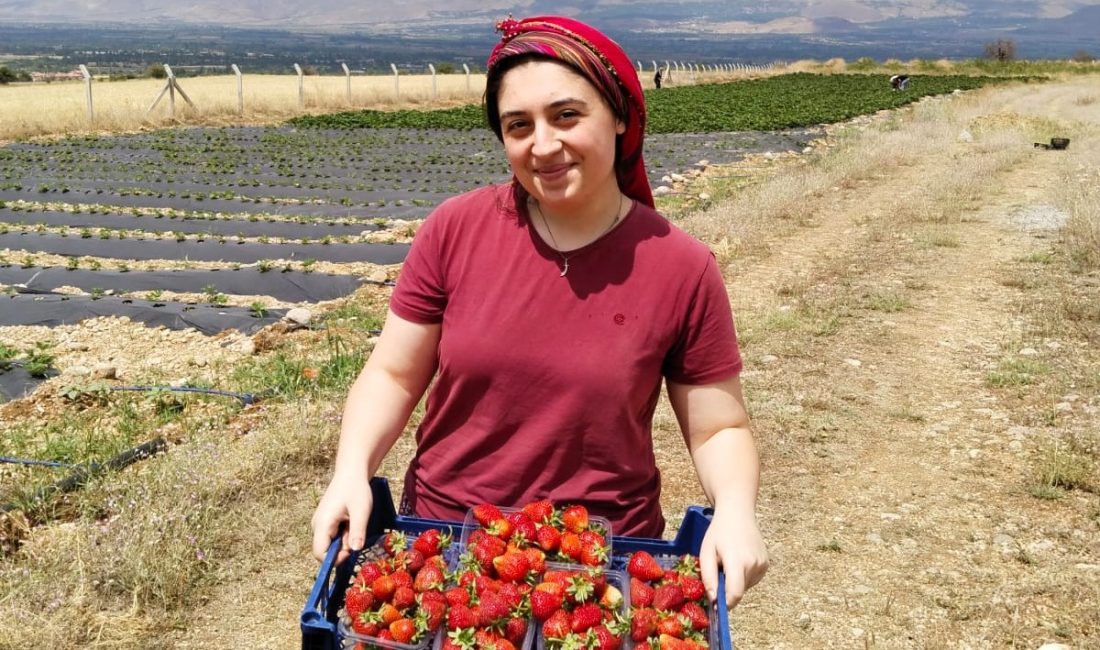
<point>515,630</point>
<point>433,613</point>
<point>368,572</point>
<point>491,610</point>
<point>575,518</point>
<point>643,624</point>
<point>513,593</point>
<point>668,642</point>
<point>387,614</point>
<point>580,589</point>
<point>410,560</point>
<point>403,630</point>
<point>403,597</point>
<point>549,538</point>
<point>693,588</point>
<point>357,600</point>
<point>432,542</point>
<point>539,511</point>
<point>641,593</point>
<point>557,626</point>
<point>593,553</point>
<point>668,597</point>
<point>485,513</point>
<point>402,578</point>
<point>460,616</point>
<point>429,578</point>
<point>487,640</point>
<point>688,565</point>
<point>695,615</point>
<point>611,598</point>
<point>672,626</point>
<point>571,546</point>
<point>366,624</point>
<point>601,638</point>
<point>522,526</point>
<point>536,558</point>
<point>585,617</point>
<point>394,541</point>
<point>457,596</point>
<point>644,566</point>
<point>500,528</point>
<point>545,602</point>
<point>383,587</point>
<point>512,567</point>
<point>459,639</point>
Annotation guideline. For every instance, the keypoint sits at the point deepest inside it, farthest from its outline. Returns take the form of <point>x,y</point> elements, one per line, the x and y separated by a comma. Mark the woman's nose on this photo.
<point>546,140</point>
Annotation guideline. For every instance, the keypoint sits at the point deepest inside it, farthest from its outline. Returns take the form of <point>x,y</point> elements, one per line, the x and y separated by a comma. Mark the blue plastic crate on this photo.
<point>319,616</point>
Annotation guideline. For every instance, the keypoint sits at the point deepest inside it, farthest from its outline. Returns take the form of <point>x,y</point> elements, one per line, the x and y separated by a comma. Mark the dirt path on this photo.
<point>898,509</point>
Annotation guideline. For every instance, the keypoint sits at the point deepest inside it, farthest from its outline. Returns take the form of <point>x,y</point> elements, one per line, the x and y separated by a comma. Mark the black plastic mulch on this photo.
<point>204,251</point>
<point>15,383</point>
<point>214,227</point>
<point>290,286</point>
<point>51,310</point>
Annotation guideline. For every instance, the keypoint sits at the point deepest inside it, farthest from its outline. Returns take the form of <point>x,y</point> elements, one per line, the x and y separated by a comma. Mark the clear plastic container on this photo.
<point>602,524</point>
<point>669,562</point>
<point>619,580</point>
<point>528,639</point>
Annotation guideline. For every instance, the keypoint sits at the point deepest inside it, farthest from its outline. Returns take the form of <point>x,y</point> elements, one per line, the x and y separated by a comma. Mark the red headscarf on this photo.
<point>605,65</point>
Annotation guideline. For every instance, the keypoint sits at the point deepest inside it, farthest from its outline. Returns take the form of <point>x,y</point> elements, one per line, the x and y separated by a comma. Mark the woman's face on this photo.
<point>559,136</point>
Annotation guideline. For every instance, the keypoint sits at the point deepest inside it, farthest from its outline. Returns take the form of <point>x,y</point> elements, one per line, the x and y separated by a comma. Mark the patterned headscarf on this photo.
<point>605,65</point>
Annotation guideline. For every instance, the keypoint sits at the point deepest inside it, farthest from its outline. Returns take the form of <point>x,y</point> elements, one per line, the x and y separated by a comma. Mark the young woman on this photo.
<point>548,311</point>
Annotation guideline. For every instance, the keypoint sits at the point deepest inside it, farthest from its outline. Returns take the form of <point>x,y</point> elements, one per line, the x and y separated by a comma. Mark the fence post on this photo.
<point>347,75</point>
<point>396,83</point>
<point>435,92</point>
<point>301,86</point>
<point>240,89</point>
<point>467,69</point>
<point>88,91</point>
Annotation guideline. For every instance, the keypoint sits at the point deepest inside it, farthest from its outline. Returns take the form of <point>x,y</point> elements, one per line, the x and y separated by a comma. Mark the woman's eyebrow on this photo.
<point>565,101</point>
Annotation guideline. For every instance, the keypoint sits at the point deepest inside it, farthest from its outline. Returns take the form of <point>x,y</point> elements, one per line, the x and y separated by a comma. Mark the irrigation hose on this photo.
<point>247,399</point>
<point>83,473</point>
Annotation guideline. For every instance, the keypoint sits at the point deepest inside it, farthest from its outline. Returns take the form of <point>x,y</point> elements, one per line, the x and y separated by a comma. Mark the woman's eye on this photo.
<point>515,125</point>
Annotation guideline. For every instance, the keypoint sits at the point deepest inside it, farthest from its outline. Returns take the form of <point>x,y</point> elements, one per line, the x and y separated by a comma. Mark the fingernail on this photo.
<point>356,544</point>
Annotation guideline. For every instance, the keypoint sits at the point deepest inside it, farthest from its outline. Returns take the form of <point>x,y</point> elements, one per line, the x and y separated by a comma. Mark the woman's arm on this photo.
<point>377,409</point>
<point>715,426</point>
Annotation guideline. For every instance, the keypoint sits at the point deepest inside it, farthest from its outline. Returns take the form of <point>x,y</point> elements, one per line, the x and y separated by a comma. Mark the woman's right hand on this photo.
<point>347,499</point>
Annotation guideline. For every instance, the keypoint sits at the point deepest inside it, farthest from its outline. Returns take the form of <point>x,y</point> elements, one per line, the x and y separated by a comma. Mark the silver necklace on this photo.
<point>557,249</point>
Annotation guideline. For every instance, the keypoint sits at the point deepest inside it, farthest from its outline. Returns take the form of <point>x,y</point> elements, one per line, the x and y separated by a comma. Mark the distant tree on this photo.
<point>1082,56</point>
<point>1001,50</point>
<point>863,63</point>
<point>445,68</point>
<point>156,71</point>
<point>6,75</point>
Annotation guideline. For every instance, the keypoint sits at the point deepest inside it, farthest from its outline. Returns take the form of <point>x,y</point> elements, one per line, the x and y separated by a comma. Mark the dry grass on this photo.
<point>124,105</point>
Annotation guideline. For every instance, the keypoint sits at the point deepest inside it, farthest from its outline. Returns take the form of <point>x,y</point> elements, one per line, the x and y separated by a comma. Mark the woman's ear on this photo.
<point>620,127</point>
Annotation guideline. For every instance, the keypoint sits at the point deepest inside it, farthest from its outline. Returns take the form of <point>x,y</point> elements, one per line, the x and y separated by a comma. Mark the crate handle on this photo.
<point>318,596</point>
<point>725,635</point>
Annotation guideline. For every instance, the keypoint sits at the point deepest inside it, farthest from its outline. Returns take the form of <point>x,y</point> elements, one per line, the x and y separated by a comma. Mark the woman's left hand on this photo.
<point>733,543</point>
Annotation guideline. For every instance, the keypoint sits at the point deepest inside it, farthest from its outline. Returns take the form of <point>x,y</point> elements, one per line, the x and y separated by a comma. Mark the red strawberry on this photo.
<point>668,597</point>
<point>429,578</point>
<point>383,587</point>
<point>580,588</point>
<point>693,588</point>
<point>585,617</point>
<point>668,642</point>
<point>641,593</point>
<point>536,558</point>
<point>515,630</point>
<point>557,626</point>
<point>487,640</point>
<point>672,626</point>
<point>457,596</point>
<point>575,518</point>
<point>403,630</point>
<point>410,560</point>
<point>593,553</point>
<point>688,565</point>
<point>357,600</point>
<point>696,615</point>
<point>545,602</point>
<point>512,567</point>
<point>432,542</point>
<point>549,538</point>
<point>387,614</point>
<point>539,511</point>
<point>366,624</point>
<point>501,528</point>
<point>644,566</point>
<point>486,513</point>
<point>513,593</point>
<point>394,541</point>
<point>604,638</point>
<point>643,624</point>
<point>522,526</point>
<point>571,546</point>
<point>402,578</point>
<point>460,616</point>
<point>491,610</point>
<point>433,613</point>
<point>460,639</point>
<point>403,597</point>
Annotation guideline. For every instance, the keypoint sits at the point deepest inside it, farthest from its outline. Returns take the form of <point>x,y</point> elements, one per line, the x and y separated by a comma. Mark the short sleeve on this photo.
<point>706,350</point>
<point>420,295</point>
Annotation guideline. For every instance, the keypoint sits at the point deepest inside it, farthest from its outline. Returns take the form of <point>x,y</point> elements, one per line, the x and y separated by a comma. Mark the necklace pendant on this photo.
<point>564,269</point>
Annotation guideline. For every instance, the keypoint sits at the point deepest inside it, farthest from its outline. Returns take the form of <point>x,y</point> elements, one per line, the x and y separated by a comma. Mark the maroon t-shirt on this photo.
<point>546,385</point>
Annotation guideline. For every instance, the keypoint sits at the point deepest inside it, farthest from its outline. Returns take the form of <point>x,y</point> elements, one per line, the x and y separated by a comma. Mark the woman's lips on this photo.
<point>553,172</point>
